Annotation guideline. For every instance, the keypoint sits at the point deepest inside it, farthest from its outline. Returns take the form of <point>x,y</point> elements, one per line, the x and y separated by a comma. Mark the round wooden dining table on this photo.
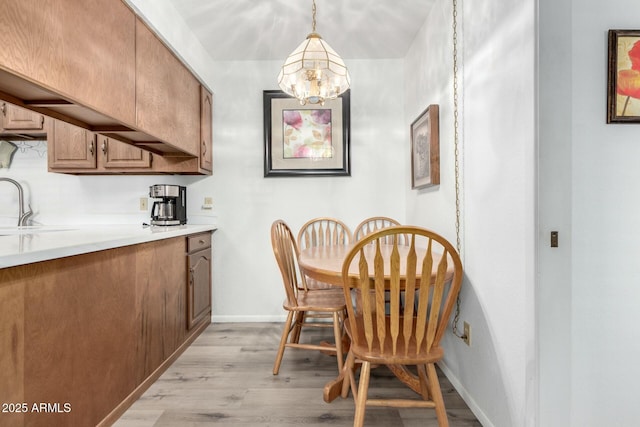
<point>324,263</point>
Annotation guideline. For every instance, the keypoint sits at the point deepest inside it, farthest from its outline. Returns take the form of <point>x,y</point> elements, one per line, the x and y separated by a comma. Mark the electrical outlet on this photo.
<point>466,334</point>
<point>208,203</point>
<point>144,203</point>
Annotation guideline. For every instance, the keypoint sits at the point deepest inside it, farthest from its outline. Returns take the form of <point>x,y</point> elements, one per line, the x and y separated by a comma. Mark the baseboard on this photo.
<point>471,403</point>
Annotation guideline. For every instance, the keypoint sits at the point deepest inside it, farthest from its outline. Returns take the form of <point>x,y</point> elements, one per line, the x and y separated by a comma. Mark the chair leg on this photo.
<point>436,395</point>
<point>348,380</point>
<point>337,333</point>
<point>361,401</point>
<point>283,342</point>
<point>424,381</point>
<point>297,327</point>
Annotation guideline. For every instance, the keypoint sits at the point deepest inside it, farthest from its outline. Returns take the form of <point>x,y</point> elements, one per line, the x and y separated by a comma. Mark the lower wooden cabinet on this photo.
<point>88,334</point>
<point>199,279</point>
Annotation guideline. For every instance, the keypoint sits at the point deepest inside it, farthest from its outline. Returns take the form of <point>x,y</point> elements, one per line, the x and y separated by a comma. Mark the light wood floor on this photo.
<point>225,378</point>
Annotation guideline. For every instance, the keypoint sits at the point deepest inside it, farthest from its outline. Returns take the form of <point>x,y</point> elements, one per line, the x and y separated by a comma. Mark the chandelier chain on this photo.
<point>456,151</point>
<point>313,16</point>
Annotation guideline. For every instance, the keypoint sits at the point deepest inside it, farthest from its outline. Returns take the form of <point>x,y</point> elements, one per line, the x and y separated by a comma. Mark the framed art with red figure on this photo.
<point>623,83</point>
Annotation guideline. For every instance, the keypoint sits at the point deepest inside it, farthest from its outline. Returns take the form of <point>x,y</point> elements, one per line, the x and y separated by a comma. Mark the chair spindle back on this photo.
<point>323,232</point>
<point>286,253</point>
<point>419,309</point>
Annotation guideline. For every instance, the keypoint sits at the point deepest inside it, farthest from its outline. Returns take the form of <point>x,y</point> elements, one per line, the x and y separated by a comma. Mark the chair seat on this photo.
<point>381,357</point>
<point>328,300</point>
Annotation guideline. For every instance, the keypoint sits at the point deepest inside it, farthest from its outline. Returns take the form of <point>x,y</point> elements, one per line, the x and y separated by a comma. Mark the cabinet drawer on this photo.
<point>198,241</point>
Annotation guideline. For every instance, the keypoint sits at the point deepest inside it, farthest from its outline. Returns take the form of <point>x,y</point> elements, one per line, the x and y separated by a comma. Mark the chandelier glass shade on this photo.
<point>314,72</point>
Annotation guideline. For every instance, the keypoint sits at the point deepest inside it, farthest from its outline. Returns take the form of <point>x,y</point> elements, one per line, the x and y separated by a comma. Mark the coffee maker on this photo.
<point>171,209</point>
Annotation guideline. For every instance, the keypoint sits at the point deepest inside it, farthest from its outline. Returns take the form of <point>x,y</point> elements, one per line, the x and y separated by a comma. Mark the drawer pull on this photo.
<point>201,241</point>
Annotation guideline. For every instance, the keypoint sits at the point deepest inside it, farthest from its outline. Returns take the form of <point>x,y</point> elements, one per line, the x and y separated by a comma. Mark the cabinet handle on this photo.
<point>201,241</point>
<point>191,279</point>
<point>104,147</point>
<point>204,148</point>
<point>91,148</point>
<point>4,109</point>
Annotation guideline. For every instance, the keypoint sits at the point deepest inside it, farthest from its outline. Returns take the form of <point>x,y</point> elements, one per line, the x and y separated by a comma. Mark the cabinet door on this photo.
<point>117,154</point>
<point>70,146</point>
<point>81,50</point>
<point>20,119</point>
<point>206,129</point>
<point>199,293</point>
<point>167,94</point>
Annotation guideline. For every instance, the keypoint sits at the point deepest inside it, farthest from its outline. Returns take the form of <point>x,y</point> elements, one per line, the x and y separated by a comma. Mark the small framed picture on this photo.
<point>623,83</point>
<point>425,149</point>
<point>305,140</point>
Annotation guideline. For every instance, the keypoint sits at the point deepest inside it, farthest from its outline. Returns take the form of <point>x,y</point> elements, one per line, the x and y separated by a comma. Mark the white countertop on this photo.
<point>26,245</point>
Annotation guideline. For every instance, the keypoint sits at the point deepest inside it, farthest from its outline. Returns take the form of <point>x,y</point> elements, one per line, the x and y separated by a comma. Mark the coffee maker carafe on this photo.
<point>171,209</point>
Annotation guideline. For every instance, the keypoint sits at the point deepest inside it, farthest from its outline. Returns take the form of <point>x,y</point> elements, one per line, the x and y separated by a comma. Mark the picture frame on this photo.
<point>306,140</point>
<point>623,77</point>
<point>425,149</point>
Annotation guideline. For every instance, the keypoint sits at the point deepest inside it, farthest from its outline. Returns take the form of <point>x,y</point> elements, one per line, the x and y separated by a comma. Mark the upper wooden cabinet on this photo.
<point>116,155</point>
<point>206,129</point>
<point>70,147</point>
<point>74,150</point>
<point>94,64</point>
<point>81,51</point>
<point>167,94</point>
<point>15,119</point>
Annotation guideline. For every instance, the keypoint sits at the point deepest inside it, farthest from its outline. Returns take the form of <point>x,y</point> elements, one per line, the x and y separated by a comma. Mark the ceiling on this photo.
<point>271,29</point>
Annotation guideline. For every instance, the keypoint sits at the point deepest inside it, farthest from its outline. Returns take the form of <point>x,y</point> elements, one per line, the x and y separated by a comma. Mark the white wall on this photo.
<point>496,61</point>
<point>602,172</point>
<point>554,213</point>
<point>249,203</point>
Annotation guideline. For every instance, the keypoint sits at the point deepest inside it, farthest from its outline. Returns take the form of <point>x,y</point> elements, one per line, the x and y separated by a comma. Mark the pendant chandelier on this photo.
<point>314,72</point>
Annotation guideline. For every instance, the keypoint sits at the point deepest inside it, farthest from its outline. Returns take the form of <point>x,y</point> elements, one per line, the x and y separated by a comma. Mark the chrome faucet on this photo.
<point>22,215</point>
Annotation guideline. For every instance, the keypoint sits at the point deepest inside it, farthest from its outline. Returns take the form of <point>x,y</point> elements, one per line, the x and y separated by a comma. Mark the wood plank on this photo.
<point>225,378</point>
<point>12,345</point>
<point>79,335</point>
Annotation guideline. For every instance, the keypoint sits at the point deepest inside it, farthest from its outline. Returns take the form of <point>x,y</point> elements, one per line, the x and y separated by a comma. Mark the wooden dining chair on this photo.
<point>323,231</point>
<point>409,335</point>
<point>372,224</point>
<point>299,300</point>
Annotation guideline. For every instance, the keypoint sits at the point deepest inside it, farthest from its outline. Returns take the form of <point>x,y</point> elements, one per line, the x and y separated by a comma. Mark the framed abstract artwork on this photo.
<point>305,140</point>
<point>623,83</point>
<point>425,149</point>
